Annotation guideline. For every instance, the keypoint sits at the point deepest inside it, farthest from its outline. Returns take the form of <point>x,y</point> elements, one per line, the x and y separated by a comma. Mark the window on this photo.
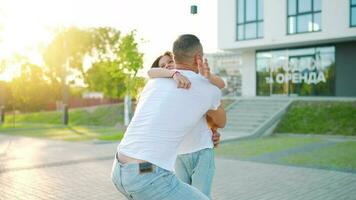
<point>304,16</point>
<point>296,72</point>
<point>249,19</point>
<point>353,13</point>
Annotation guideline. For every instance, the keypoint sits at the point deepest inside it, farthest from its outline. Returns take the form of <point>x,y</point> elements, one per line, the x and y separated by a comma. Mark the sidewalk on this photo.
<point>45,169</point>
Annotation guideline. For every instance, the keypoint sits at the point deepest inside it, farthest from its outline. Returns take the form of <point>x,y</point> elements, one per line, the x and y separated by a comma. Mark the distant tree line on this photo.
<point>103,58</point>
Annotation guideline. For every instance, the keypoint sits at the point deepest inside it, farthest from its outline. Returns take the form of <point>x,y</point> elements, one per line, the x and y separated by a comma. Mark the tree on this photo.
<point>67,49</point>
<point>105,43</point>
<point>30,91</point>
<point>115,59</point>
<point>105,75</point>
<point>131,60</point>
<point>116,63</point>
<point>107,78</point>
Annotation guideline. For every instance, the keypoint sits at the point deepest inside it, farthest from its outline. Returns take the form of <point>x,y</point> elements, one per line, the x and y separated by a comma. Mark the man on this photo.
<point>163,116</point>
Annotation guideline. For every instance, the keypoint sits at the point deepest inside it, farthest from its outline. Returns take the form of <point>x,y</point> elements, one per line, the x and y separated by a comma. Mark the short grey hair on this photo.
<point>186,46</point>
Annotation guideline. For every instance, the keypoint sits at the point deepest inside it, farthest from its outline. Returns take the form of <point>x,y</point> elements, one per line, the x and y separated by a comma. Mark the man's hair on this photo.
<point>185,47</point>
<point>155,63</point>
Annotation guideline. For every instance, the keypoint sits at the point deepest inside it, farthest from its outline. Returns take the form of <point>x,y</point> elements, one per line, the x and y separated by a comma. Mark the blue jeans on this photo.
<point>159,184</point>
<point>197,169</point>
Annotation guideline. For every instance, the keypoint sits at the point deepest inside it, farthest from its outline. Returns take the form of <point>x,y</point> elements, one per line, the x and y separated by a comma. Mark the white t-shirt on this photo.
<point>199,138</point>
<point>164,115</point>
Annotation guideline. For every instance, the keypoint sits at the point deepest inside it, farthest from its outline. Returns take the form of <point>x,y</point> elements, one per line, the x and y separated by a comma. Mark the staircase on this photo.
<point>249,117</point>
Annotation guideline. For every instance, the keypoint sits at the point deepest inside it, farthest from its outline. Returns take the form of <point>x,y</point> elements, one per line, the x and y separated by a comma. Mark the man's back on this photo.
<point>164,115</point>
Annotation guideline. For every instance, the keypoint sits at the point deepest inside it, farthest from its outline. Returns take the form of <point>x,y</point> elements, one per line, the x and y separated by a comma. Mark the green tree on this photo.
<point>105,44</point>
<point>117,61</point>
<point>130,59</point>
<point>30,91</point>
<point>67,49</point>
<point>107,78</point>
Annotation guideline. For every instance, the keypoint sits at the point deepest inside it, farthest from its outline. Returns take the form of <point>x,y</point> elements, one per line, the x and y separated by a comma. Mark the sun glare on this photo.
<point>28,26</point>
<point>22,33</point>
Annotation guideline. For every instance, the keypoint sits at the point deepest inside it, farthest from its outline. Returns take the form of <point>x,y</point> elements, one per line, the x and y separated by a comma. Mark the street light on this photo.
<point>2,103</point>
<point>193,9</point>
<point>2,115</point>
<point>64,85</point>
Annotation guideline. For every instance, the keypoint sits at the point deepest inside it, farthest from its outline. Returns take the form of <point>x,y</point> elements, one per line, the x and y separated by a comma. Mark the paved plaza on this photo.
<point>32,169</point>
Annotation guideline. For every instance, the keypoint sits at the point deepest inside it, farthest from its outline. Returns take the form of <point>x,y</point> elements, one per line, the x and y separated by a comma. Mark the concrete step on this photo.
<point>244,123</point>
<point>254,110</point>
<point>243,129</point>
<point>263,106</point>
<point>248,116</point>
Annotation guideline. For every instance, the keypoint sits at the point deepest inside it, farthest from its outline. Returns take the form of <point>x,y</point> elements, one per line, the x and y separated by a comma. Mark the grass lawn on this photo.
<point>245,149</point>
<point>61,132</point>
<point>108,115</point>
<point>338,156</point>
<point>84,124</point>
<point>333,118</point>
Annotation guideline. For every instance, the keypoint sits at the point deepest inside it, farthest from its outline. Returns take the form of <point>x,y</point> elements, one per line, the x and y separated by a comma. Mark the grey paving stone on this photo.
<point>42,169</point>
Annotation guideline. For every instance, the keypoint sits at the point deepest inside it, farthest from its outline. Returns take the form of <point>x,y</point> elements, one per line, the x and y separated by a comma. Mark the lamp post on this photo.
<point>194,18</point>
<point>2,110</point>
<point>2,114</point>
<point>2,95</point>
<point>193,9</point>
<point>127,102</point>
<point>65,117</point>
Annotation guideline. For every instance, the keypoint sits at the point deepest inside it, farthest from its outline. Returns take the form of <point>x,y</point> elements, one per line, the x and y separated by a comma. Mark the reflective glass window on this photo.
<point>251,10</point>
<point>304,23</point>
<point>304,6</point>
<point>353,13</point>
<point>297,72</point>
<point>292,7</point>
<point>249,19</point>
<point>304,16</point>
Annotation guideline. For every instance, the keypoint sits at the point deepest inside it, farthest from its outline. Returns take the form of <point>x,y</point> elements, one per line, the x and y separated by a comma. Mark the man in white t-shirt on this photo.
<point>144,163</point>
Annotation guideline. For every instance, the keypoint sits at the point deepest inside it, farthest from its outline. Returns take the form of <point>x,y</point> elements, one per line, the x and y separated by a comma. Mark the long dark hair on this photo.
<point>155,64</point>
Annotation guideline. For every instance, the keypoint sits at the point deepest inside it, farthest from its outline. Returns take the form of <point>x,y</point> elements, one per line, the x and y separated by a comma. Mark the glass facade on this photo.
<point>353,13</point>
<point>296,72</point>
<point>228,67</point>
<point>249,19</point>
<point>304,16</point>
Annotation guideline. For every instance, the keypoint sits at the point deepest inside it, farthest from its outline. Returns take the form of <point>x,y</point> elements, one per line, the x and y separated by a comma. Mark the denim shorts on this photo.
<point>159,184</point>
<point>197,169</point>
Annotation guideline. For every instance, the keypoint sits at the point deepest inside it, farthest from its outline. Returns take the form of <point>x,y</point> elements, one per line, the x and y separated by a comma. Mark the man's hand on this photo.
<point>216,138</point>
<point>204,69</point>
<point>182,81</point>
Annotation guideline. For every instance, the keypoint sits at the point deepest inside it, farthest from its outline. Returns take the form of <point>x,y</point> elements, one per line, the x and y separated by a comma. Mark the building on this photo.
<point>288,47</point>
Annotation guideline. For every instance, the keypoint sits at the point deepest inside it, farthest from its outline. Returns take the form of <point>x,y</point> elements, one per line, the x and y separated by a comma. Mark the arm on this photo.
<point>217,81</point>
<point>218,117</point>
<point>182,81</point>
<point>204,70</point>
<point>160,73</point>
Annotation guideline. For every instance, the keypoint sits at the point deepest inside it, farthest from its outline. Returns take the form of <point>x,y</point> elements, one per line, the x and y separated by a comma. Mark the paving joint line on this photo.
<point>56,164</point>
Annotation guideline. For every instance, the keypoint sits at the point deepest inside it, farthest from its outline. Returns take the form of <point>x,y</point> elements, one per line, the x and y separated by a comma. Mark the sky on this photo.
<point>26,26</point>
